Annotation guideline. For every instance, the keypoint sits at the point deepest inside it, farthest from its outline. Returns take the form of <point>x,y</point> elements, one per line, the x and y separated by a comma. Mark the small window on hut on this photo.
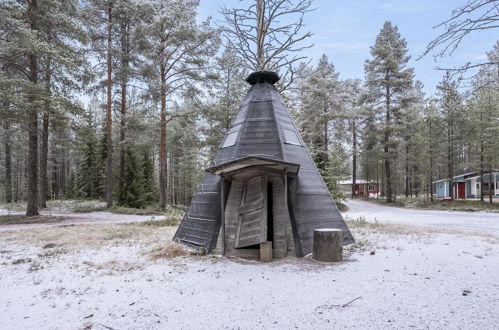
<point>231,137</point>
<point>290,137</point>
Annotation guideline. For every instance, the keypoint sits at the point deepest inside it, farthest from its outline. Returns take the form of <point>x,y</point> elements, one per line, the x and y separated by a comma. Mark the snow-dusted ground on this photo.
<point>458,220</point>
<point>103,277</point>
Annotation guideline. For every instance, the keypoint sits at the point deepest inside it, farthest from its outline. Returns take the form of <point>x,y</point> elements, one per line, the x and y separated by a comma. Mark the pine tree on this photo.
<point>176,52</point>
<point>132,194</point>
<point>336,170</point>
<point>321,103</point>
<point>387,79</point>
<point>40,39</point>
<point>102,164</point>
<point>88,176</point>
<point>148,177</point>
<point>226,93</point>
<point>450,106</point>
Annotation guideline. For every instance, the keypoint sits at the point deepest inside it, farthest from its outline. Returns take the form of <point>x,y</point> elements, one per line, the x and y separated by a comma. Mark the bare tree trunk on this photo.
<point>8,161</point>
<point>32,193</point>
<point>490,186</point>
<point>481,163</point>
<point>450,158</point>
<point>260,31</point>
<point>17,180</point>
<point>354,157</point>
<point>63,173</point>
<point>109,113</point>
<point>324,159</point>
<point>378,190</point>
<point>163,152</point>
<point>407,169</point>
<point>430,180</point>
<point>45,141</point>
<point>55,153</point>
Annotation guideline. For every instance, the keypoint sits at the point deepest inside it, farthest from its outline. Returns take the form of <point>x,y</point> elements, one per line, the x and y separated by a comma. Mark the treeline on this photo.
<point>387,130</point>
<point>127,101</point>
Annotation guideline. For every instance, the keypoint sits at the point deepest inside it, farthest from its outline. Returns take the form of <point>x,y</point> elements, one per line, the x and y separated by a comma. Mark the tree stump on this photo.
<point>328,245</point>
<point>266,254</point>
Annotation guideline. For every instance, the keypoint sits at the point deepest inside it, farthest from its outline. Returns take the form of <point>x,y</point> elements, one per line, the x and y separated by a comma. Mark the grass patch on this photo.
<point>170,250</point>
<point>22,219</point>
<point>425,204</point>
<point>16,206</point>
<point>174,211</point>
<point>116,209</point>
<point>169,222</point>
<point>342,207</point>
<point>91,236</point>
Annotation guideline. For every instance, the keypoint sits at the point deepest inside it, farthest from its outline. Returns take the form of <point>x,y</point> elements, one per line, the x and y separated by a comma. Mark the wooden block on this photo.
<point>328,245</point>
<point>266,252</point>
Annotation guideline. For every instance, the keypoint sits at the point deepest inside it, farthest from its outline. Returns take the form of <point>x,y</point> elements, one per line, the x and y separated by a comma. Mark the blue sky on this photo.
<point>345,29</point>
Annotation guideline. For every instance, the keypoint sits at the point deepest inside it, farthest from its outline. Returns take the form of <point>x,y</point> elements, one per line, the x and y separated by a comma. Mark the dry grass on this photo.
<point>402,229</point>
<point>13,219</point>
<point>418,203</point>
<point>91,236</point>
<point>170,250</point>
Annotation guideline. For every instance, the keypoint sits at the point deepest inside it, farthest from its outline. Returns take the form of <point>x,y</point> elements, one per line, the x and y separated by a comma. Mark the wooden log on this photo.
<point>328,245</point>
<point>266,252</point>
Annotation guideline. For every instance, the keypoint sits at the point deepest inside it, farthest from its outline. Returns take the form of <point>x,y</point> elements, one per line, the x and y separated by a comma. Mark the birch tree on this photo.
<point>474,16</point>
<point>267,35</point>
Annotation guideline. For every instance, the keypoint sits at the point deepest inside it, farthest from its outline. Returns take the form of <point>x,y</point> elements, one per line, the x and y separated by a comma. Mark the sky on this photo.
<point>345,29</point>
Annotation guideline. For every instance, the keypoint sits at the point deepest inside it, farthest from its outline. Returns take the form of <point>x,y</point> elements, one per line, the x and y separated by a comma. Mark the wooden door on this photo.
<point>461,190</point>
<point>252,220</point>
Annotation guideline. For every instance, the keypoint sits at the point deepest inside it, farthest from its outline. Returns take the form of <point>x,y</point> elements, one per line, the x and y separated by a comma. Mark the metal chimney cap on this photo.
<point>261,77</point>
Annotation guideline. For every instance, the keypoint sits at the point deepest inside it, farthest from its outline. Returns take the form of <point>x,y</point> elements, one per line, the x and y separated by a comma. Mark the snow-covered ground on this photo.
<point>109,276</point>
<point>458,220</point>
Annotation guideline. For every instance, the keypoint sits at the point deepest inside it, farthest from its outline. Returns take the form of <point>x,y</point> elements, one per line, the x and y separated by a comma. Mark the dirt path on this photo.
<point>485,222</point>
<point>74,218</point>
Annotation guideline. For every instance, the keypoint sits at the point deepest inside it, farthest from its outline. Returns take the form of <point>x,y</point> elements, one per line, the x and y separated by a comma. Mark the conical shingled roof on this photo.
<point>263,127</point>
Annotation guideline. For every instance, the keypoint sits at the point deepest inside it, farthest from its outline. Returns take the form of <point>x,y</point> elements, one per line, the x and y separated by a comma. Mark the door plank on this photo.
<point>252,220</point>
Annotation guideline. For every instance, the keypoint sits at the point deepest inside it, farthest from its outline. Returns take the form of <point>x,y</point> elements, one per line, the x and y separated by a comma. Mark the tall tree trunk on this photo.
<point>326,140</point>
<point>55,152</point>
<point>32,193</point>
<point>45,140</point>
<point>63,173</point>
<point>430,173</point>
<point>407,169</point>
<point>491,187</point>
<point>122,136</point>
<point>450,158</point>
<point>163,152</point>
<point>386,149</point>
<point>8,161</point>
<point>17,180</point>
<point>260,31</point>
<point>124,82</point>
<point>354,157</point>
<point>109,113</point>
<point>378,190</point>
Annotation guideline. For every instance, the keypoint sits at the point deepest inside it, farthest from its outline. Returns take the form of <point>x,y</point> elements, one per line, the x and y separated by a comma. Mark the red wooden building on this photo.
<point>362,188</point>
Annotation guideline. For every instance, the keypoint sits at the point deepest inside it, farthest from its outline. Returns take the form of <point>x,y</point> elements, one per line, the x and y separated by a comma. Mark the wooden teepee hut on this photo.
<point>263,185</point>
